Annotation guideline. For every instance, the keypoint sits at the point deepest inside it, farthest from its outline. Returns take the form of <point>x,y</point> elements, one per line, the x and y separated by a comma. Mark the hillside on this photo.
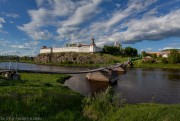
<point>76,58</point>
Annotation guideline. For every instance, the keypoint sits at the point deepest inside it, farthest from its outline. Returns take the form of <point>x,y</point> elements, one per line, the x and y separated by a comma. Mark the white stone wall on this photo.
<point>85,49</point>
<point>46,50</point>
<point>65,49</point>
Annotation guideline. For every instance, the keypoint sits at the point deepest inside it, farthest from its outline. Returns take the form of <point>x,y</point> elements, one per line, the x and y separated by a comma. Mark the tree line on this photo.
<point>16,58</point>
<point>113,50</point>
<point>173,56</point>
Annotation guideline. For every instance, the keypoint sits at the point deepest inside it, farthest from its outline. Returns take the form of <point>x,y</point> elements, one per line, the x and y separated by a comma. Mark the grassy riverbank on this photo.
<point>145,112</point>
<point>43,97</point>
<point>108,107</point>
<point>140,64</point>
<point>39,96</point>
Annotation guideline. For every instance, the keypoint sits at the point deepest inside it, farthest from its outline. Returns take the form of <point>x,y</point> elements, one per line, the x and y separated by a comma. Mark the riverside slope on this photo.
<point>76,58</point>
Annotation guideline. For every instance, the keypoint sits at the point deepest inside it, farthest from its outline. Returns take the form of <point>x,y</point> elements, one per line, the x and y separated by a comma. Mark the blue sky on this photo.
<point>149,25</point>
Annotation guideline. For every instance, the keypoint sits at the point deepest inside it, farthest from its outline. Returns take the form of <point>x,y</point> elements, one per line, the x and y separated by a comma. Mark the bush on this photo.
<point>149,61</point>
<point>101,105</point>
<point>48,84</point>
<point>129,51</point>
<point>174,56</point>
<point>164,60</point>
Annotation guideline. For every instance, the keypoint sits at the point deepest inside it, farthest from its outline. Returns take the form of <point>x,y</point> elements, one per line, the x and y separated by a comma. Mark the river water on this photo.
<point>137,85</point>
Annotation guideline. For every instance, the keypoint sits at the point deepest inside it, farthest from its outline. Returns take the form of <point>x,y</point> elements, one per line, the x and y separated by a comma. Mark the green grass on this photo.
<point>139,64</point>
<point>39,95</point>
<point>146,112</point>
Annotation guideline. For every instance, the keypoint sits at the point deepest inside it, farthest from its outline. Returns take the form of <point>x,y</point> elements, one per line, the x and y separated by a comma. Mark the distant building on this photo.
<point>165,53</point>
<point>157,53</point>
<point>117,44</point>
<point>84,48</point>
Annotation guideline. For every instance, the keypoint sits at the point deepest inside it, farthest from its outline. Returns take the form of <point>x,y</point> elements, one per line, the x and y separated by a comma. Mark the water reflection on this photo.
<point>80,84</point>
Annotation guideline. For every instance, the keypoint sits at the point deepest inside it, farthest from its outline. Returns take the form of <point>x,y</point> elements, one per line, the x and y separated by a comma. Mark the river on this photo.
<point>137,85</point>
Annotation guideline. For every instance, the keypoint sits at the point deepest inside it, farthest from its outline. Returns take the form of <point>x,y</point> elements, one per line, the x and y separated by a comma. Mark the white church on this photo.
<point>83,48</point>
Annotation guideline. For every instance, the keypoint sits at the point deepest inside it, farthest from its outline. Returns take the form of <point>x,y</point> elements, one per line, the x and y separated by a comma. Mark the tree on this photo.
<point>129,51</point>
<point>111,50</point>
<point>154,55</point>
<point>144,54</point>
<point>160,56</point>
<point>174,56</point>
<point>135,52</point>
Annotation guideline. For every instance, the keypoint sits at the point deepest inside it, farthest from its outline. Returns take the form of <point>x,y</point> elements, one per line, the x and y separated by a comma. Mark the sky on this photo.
<point>148,25</point>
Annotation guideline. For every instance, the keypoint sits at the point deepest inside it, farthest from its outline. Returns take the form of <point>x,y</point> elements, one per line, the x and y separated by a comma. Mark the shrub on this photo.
<point>164,60</point>
<point>149,61</point>
<point>48,84</point>
<point>129,51</point>
<point>101,105</point>
<point>174,56</point>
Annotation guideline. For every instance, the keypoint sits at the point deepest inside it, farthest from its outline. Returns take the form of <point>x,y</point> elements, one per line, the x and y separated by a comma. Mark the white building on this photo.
<point>165,53</point>
<point>91,48</point>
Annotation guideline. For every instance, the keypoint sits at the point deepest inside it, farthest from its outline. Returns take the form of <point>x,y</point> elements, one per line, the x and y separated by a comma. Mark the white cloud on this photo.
<point>133,7</point>
<point>28,45</point>
<point>12,15</point>
<point>9,52</point>
<point>151,28</point>
<point>78,20</point>
<point>46,16</point>
<point>170,48</point>
<point>1,22</point>
<point>39,18</point>
<point>76,13</point>
<point>149,49</point>
<point>4,42</point>
<point>83,13</point>
<point>173,45</point>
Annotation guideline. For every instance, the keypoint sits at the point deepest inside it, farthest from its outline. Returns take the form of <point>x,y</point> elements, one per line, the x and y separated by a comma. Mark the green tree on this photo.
<point>164,60</point>
<point>154,55</point>
<point>135,52</point>
<point>129,51</point>
<point>160,56</point>
<point>174,56</point>
<point>111,50</point>
<point>144,54</point>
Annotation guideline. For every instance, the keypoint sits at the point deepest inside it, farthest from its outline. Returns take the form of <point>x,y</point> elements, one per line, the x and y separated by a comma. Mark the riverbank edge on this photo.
<point>157,66</point>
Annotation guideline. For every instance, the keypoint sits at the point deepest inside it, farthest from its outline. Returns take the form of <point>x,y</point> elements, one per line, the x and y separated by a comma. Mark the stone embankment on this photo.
<point>75,58</point>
